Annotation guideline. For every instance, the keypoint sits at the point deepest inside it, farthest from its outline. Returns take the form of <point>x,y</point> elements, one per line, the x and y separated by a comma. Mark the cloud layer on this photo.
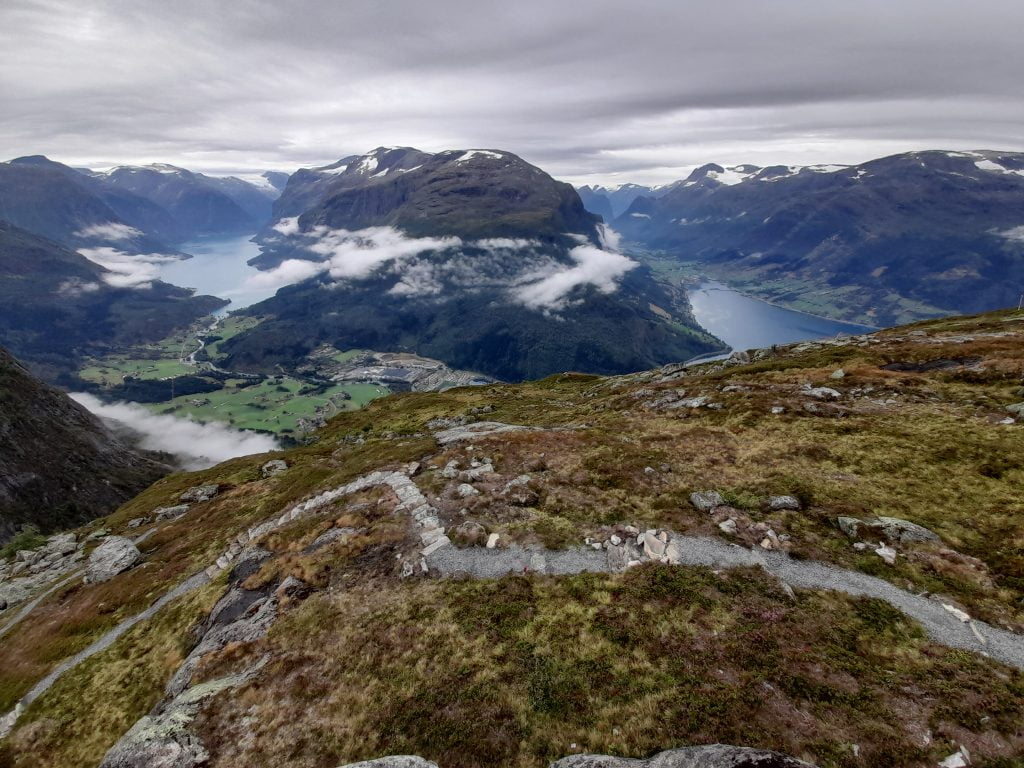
<point>432,266</point>
<point>579,87</point>
<point>127,270</point>
<point>194,445</point>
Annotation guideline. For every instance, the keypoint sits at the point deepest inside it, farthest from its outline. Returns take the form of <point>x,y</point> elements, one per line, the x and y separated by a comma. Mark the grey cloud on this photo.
<point>589,89</point>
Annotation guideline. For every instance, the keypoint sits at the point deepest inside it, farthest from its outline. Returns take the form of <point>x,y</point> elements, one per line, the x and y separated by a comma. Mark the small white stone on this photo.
<point>492,541</point>
<point>887,553</point>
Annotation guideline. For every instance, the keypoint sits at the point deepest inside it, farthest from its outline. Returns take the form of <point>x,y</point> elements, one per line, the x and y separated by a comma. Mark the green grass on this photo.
<point>112,370</point>
<point>273,405</point>
<point>227,329</point>
<point>28,537</point>
<point>348,354</point>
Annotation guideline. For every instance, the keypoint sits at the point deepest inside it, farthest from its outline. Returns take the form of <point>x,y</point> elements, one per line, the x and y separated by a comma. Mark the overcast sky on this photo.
<point>592,91</point>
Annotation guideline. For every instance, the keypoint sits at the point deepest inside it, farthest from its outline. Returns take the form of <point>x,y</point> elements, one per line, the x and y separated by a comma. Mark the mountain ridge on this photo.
<point>907,236</point>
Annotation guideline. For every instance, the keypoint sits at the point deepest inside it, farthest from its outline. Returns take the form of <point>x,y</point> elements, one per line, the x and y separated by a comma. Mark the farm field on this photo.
<point>277,404</point>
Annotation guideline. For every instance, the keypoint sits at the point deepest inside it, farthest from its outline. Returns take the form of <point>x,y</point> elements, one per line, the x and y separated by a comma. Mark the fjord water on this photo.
<point>218,268</point>
<point>743,322</point>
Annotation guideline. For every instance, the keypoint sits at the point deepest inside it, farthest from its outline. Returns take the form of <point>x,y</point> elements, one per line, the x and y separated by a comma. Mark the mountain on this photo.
<point>472,257</point>
<point>913,235</point>
<point>800,549</point>
<point>133,210</point>
<point>202,205</point>
<point>57,202</point>
<point>276,179</point>
<point>56,305</point>
<point>470,194</point>
<point>609,202</point>
<point>59,466</point>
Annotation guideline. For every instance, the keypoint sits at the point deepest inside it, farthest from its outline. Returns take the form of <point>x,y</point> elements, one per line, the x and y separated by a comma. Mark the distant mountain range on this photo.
<point>472,257</point>
<point>609,202</point>
<point>147,209</point>
<point>891,240</point>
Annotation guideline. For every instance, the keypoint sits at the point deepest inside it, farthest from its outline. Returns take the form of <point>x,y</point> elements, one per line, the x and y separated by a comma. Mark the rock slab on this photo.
<point>115,555</point>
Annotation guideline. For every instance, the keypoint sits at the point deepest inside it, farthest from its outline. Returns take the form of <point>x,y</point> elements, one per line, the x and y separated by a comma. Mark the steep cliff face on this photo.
<point>59,466</point>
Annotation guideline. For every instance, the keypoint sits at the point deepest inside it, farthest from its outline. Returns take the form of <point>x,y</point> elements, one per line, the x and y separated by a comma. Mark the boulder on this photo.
<point>394,761</point>
<point>850,526</point>
<point>898,530</point>
<point>822,393</point>
<point>273,467</point>
<point>710,756</point>
<point>114,555</point>
<point>200,493</point>
<point>653,546</point>
<point>838,374</point>
<point>170,513</point>
<point>1017,408</point>
<point>465,490</point>
<point>470,534</point>
<point>61,544</point>
<point>784,502</point>
<point>706,501</point>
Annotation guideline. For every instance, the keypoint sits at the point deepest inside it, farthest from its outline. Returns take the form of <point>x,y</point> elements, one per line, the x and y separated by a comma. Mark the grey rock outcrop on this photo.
<point>394,761</point>
<point>896,529</point>
<point>710,756</point>
<point>200,493</point>
<point>114,555</point>
<point>784,502</point>
<point>706,501</point>
<point>274,467</point>
<point>163,739</point>
<point>170,513</point>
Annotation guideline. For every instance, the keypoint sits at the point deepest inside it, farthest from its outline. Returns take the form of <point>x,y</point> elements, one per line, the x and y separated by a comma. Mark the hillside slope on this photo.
<point>800,549</point>
<point>59,467</point>
<point>891,240</point>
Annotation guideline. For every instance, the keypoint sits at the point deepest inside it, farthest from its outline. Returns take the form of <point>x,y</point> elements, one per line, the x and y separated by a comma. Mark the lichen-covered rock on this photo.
<point>710,756</point>
<point>784,502</point>
<point>273,467</point>
<point>200,493</point>
<point>114,555</point>
<point>394,761</point>
<point>170,513</point>
<point>897,529</point>
<point>706,501</point>
<point>850,526</point>
<point>163,740</point>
